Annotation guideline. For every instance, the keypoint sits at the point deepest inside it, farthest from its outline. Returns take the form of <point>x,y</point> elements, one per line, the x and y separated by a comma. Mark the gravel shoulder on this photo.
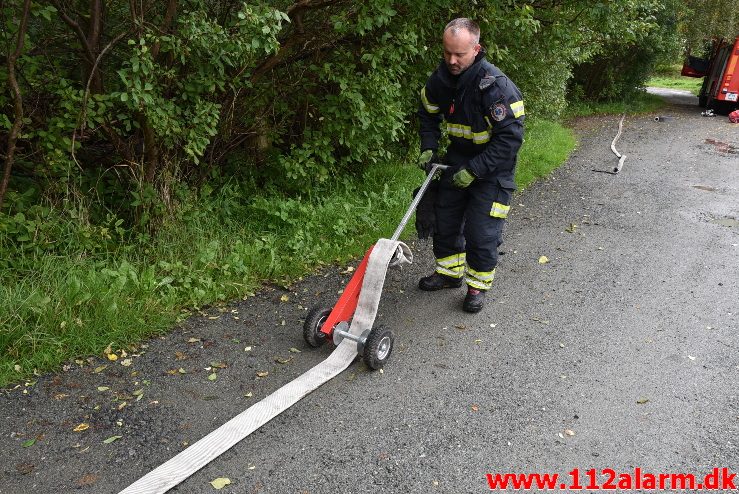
<point>622,351</point>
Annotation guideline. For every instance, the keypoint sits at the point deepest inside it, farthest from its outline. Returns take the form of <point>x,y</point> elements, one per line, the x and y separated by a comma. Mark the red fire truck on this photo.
<point>720,70</point>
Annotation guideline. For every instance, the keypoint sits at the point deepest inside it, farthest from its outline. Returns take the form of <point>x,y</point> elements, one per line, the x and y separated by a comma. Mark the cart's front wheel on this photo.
<point>378,347</point>
<point>312,327</point>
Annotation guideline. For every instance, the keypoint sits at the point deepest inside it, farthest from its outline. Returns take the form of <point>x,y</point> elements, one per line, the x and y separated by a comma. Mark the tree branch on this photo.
<point>17,101</point>
<point>86,49</point>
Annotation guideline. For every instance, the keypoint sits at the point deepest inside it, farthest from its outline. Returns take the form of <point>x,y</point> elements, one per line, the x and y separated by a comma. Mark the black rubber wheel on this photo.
<point>378,347</point>
<point>312,326</point>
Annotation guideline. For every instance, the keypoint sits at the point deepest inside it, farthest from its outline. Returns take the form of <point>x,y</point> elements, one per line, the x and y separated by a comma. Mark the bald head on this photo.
<point>461,44</point>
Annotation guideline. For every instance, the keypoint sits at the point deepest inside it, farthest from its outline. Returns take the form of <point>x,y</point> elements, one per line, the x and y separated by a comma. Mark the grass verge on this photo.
<point>678,82</point>
<point>642,102</point>
<point>669,77</point>
<point>218,248</point>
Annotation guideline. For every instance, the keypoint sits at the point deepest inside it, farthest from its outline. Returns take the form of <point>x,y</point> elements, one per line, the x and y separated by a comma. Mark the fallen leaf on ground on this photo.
<point>571,228</point>
<point>81,427</point>
<point>25,468</point>
<point>103,388</point>
<point>127,362</point>
<point>220,483</point>
<point>569,432</point>
<point>248,395</point>
<point>281,360</point>
<point>17,368</point>
<point>179,356</point>
<point>262,374</point>
<point>284,298</point>
<point>29,443</point>
<point>218,365</point>
<point>100,369</point>
<point>112,439</point>
<point>543,260</point>
<point>193,340</point>
<point>642,401</point>
<point>60,396</point>
<point>112,357</point>
<point>213,377</point>
<point>294,350</point>
<point>247,349</point>
<point>475,408</point>
<point>87,479</point>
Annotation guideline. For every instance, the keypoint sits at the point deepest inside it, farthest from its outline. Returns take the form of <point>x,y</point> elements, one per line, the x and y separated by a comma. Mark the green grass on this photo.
<point>642,103</point>
<point>221,247</point>
<point>691,84</point>
<point>547,145</point>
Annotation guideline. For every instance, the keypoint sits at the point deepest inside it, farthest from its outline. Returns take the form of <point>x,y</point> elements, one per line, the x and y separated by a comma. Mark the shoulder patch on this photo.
<point>486,82</point>
<point>498,112</point>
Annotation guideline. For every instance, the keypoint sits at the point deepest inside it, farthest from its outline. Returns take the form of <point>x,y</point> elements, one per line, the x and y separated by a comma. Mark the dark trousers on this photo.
<point>464,223</point>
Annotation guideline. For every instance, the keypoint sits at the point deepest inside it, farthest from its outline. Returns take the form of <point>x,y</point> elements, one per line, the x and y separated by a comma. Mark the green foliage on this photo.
<point>176,158</point>
<point>623,62</point>
<point>75,298</point>
<point>702,22</point>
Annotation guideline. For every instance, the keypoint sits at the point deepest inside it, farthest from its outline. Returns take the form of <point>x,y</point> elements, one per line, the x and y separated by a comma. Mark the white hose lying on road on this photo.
<point>613,146</point>
<point>385,253</point>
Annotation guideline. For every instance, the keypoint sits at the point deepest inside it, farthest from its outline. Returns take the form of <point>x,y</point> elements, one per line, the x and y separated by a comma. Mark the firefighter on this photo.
<point>483,112</point>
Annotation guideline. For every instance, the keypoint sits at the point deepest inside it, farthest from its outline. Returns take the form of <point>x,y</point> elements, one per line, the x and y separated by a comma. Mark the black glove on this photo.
<point>425,215</point>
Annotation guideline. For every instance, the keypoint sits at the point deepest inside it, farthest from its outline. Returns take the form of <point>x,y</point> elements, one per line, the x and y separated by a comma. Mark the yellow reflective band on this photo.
<point>499,210</point>
<point>517,109</point>
<point>465,131</point>
<point>482,280</point>
<point>430,107</point>
<point>453,260</point>
<point>456,273</point>
<point>478,284</point>
<point>487,276</point>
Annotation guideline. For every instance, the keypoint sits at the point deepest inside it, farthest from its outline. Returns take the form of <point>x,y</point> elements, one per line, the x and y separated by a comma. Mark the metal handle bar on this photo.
<point>422,190</point>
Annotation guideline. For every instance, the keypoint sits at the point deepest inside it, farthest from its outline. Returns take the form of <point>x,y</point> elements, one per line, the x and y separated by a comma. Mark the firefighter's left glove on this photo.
<point>427,159</point>
<point>425,215</point>
<point>463,178</point>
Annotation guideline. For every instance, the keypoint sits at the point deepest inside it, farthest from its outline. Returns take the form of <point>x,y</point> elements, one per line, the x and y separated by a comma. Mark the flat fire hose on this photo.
<point>386,253</point>
<point>621,158</point>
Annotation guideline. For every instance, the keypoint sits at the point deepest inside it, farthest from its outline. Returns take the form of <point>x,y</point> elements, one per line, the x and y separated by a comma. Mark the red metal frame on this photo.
<point>347,303</point>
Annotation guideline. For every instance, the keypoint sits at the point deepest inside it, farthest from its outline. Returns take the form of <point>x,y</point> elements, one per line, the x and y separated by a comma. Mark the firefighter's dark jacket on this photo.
<point>484,115</point>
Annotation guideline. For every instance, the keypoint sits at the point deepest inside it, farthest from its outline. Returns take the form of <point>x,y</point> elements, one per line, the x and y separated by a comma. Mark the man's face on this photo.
<point>460,50</point>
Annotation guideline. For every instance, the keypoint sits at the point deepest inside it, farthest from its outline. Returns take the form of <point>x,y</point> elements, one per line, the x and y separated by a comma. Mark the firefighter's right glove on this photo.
<point>427,159</point>
<point>425,215</point>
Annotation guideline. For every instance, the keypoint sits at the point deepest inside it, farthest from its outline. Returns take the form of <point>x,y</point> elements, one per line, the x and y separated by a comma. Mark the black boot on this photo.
<point>438,282</point>
<point>474,300</point>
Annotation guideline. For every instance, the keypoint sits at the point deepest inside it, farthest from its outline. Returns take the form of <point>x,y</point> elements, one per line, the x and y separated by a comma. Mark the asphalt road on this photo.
<point>620,352</point>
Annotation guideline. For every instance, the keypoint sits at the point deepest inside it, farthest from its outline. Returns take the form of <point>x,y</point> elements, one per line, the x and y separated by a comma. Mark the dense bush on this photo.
<point>121,101</point>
